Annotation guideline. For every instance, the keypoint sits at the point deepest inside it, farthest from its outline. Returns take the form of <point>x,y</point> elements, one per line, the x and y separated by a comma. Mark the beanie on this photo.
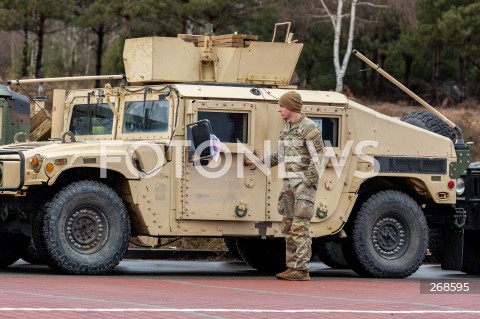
<point>291,101</point>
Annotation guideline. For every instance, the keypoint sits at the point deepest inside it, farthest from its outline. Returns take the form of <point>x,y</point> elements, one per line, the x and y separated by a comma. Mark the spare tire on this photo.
<point>429,122</point>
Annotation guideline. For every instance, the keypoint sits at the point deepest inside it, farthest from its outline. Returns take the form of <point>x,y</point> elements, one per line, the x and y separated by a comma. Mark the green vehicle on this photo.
<point>14,116</point>
<point>15,126</point>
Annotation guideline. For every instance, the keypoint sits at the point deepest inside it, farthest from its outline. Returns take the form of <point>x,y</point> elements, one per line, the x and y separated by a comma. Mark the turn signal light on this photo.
<point>35,161</point>
<point>49,167</point>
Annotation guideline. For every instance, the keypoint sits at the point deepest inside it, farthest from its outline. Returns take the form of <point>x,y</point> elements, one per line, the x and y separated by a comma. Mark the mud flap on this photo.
<point>452,249</point>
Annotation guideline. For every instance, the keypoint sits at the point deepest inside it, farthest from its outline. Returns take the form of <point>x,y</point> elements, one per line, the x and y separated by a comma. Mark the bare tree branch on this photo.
<point>372,5</point>
<point>328,13</point>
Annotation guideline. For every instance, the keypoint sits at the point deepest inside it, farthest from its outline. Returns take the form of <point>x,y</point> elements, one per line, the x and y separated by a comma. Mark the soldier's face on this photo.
<point>284,112</point>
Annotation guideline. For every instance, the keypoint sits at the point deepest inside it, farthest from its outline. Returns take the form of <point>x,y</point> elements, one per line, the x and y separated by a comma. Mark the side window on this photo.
<point>93,119</point>
<point>145,117</point>
<point>228,127</point>
<point>329,128</point>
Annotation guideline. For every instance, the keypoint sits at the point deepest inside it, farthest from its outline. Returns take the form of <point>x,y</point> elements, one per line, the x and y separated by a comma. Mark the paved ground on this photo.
<point>203,289</point>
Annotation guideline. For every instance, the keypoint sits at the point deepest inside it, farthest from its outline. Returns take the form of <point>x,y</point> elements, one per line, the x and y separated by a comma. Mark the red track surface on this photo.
<point>239,298</point>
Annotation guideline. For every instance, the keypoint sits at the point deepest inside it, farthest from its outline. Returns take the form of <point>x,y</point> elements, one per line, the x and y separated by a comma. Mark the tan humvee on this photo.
<point>137,159</point>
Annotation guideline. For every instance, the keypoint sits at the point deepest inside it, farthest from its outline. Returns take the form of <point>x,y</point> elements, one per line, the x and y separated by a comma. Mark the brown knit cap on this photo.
<point>291,101</point>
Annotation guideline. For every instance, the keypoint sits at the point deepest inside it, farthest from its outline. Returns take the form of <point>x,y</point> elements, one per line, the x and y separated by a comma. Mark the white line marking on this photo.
<point>243,310</point>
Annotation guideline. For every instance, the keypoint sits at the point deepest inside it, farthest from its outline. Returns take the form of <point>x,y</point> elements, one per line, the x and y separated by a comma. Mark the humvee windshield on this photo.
<point>145,117</point>
<point>93,119</point>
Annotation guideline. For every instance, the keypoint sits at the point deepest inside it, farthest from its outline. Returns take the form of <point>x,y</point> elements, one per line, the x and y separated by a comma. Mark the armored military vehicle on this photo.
<point>468,198</point>
<point>14,116</point>
<point>174,152</point>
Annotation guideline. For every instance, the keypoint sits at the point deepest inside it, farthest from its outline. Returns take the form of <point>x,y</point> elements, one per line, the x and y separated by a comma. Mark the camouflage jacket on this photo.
<point>294,149</point>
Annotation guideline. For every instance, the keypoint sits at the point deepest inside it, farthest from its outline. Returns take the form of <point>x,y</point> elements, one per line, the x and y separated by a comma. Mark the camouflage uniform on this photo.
<point>297,197</point>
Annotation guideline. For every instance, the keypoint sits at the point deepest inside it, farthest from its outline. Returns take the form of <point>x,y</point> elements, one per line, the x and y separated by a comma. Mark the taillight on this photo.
<point>451,184</point>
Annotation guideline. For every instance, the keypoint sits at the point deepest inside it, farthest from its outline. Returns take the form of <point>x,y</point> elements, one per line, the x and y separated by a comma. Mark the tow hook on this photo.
<point>460,217</point>
<point>4,213</point>
<point>241,210</point>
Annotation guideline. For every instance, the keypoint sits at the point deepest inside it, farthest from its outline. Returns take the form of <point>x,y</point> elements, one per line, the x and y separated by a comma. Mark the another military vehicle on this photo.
<point>14,116</point>
<point>141,159</point>
<point>468,198</point>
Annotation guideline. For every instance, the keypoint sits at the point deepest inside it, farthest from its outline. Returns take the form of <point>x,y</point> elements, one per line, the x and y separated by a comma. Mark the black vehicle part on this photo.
<point>84,229</point>
<point>31,255</point>
<point>231,244</point>
<point>388,236</point>
<point>329,250</point>
<point>265,255</point>
<point>435,243</point>
<point>471,252</point>
<point>12,246</point>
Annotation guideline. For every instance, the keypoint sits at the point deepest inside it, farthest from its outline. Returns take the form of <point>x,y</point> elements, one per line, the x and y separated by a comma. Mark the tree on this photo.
<point>373,38</point>
<point>97,17</point>
<point>456,28</point>
<point>17,20</point>
<point>336,20</point>
<point>337,27</point>
<point>225,15</point>
<point>434,33</point>
<point>38,17</point>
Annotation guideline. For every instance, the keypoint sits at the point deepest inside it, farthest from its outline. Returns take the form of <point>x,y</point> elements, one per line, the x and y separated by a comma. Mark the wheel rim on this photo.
<point>390,236</point>
<point>87,230</point>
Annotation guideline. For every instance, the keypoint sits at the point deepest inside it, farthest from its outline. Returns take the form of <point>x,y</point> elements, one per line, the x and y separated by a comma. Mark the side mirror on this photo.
<point>199,137</point>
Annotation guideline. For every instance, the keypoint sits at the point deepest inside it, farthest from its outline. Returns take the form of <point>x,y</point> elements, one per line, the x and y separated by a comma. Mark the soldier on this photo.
<point>301,139</point>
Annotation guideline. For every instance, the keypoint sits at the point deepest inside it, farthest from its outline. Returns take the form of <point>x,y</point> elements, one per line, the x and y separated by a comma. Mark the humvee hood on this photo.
<point>54,149</point>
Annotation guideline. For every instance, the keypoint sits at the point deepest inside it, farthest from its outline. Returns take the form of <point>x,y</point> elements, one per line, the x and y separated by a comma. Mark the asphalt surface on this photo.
<point>230,289</point>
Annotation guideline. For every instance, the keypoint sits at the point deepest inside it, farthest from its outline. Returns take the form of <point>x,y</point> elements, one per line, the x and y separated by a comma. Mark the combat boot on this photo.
<point>295,275</point>
<point>280,275</point>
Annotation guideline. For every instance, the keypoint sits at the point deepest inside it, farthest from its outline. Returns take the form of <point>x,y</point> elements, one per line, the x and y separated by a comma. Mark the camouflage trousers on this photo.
<point>296,205</point>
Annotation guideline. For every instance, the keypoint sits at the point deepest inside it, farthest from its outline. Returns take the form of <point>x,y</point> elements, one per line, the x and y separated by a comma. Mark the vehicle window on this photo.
<point>329,128</point>
<point>228,127</point>
<point>93,119</point>
<point>145,117</point>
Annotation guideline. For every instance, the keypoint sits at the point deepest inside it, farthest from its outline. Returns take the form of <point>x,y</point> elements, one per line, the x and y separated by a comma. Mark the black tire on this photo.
<point>12,246</point>
<point>471,252</point>
<point>39,238</point>
<point>329,250</point>
<point>231,244</point>
<point>31,255</point>
<point>389,236</point>
<point>265,255</point>
<point>83,230</point>
<point>429,122</point>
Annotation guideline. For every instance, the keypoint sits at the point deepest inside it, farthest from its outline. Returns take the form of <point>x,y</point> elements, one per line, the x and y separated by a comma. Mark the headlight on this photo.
<point>460,186</point>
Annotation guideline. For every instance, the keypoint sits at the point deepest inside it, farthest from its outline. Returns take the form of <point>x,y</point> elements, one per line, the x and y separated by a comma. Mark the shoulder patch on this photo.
<point>312,134</point>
